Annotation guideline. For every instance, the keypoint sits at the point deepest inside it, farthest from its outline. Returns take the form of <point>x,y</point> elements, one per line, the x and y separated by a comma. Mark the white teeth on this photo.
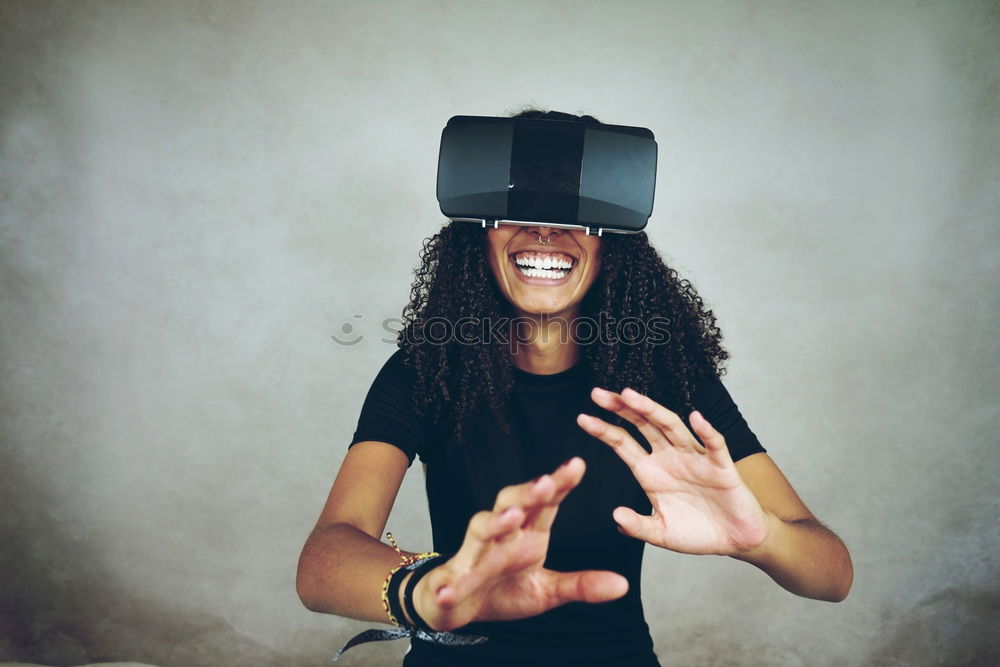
<point>544,262</point>
<point>551,267</point>
<point>552,274</point>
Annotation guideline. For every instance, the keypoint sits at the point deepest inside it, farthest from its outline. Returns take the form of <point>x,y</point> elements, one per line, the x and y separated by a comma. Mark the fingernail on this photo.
<point>567,462</point>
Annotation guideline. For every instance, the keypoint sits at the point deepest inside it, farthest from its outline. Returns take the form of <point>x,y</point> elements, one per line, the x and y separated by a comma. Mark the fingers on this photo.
<point>529,506</point>
<point>630,451</point>
<point>566,478</point>
<point>714,441</point>
<point>660,426</point>
<point>670,423</point>
<point>540,498</point>
<point>613,402</point>
<point>486,526</point>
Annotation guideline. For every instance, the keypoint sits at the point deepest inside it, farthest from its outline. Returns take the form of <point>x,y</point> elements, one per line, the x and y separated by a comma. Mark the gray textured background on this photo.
<point>196,195</point>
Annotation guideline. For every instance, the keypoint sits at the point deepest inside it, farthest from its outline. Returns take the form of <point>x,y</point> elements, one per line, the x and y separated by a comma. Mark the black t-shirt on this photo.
<point>464,478</point>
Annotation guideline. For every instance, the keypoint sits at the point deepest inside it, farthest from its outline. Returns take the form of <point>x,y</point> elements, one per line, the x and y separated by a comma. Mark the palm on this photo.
<point>518,594</point>
<point>699,507</point>
<point>497,574</point>
<point>506,581</point>
<point>700,503</point>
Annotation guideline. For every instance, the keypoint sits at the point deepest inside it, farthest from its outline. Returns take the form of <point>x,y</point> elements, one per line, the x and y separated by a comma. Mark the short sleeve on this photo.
<point>713,401</point>
<point>388,413</point>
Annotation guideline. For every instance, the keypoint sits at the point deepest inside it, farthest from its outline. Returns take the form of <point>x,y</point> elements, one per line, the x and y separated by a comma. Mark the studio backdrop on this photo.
<point>210,214</point>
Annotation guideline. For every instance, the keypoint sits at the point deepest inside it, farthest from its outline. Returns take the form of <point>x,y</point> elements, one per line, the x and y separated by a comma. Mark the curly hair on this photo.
<point>458,380</point>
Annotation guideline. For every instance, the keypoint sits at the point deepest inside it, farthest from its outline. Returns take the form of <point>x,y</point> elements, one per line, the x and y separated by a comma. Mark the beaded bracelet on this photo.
<point>391,582</point>
<point>395,609</point>
<point>411,584</point>
<point>390,602</point>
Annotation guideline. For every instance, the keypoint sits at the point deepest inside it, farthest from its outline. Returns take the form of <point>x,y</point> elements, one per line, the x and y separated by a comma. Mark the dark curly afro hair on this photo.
<point>458,381</point>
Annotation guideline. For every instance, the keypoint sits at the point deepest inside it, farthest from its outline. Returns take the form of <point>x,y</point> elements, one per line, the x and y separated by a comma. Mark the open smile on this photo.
<point>543,268</point>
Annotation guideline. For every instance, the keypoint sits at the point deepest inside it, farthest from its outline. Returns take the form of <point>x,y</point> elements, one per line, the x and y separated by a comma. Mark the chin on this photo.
<point>539,310</point>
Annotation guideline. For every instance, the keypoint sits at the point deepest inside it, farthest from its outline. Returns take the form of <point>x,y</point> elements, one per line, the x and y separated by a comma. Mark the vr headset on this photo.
<point>569,174</point>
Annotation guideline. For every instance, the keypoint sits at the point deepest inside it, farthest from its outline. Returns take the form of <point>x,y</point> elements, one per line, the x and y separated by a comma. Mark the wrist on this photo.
<point>419,598</point>
<point>424,606</point>
<point>762,551</point>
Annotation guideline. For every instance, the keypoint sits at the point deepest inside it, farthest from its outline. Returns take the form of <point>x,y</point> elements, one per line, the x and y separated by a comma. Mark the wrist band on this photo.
<point>419,573</point>
<point>390,587</point>
<point>420,565</point>
<point>395,609</point>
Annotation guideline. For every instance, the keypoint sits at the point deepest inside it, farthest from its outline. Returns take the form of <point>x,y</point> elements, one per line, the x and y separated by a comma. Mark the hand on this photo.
<point>700,503</point>
<point>497,573</point>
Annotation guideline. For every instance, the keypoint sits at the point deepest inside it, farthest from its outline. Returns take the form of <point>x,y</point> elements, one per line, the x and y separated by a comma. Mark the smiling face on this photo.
<point>543,278</point>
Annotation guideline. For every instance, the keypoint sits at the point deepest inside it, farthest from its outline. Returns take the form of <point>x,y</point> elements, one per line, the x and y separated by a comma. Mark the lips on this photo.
<point>543,268</point>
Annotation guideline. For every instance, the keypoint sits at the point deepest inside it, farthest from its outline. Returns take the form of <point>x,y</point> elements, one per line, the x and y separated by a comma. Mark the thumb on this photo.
<point>589,586</point>
<point>633,524</point>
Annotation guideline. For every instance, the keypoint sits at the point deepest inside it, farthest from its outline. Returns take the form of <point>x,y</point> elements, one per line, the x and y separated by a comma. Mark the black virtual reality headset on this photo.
<point>563,173</point>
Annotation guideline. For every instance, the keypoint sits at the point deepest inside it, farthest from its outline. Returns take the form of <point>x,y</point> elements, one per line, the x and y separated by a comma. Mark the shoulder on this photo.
<point>714,402</point>
<point>709,390</point>
<point>397,365</point>
<point>395,376</point>
<point>389,413</point>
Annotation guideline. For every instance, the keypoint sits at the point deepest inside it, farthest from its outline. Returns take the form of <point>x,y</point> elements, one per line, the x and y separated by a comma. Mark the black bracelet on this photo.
<point>419,573</point>
<point>392,596</point>
<point>419,628</point>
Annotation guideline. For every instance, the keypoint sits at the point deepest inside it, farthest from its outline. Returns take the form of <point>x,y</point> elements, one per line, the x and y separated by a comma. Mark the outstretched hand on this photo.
<point>700,503</point>
<point>497,573</point>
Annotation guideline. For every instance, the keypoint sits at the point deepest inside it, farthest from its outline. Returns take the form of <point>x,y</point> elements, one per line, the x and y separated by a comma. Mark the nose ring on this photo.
<point>548,239</point>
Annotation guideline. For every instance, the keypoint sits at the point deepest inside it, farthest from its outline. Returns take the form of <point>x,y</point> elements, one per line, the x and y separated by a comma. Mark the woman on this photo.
<point>543,377</point>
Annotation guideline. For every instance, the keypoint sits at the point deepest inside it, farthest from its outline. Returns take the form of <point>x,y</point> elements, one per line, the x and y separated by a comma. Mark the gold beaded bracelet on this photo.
<point>405,561</point>
<point>390,588</point>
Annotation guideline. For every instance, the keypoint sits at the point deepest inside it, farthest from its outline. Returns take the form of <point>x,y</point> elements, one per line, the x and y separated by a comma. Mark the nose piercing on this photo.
<point>548,239</point>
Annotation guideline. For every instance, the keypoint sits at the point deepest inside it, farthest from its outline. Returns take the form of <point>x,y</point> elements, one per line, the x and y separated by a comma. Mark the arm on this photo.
<point>343,562</point>
<point>705,504</point>
<point>497,573</point>
<point>800,553</point>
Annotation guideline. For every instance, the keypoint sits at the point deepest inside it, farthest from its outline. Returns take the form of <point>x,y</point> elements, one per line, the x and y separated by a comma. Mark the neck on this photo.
<point>543,345</point>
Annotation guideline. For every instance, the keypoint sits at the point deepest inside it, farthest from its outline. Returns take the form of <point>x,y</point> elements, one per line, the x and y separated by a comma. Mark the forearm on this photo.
<point>805,558</point>
<point>341,571</point>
